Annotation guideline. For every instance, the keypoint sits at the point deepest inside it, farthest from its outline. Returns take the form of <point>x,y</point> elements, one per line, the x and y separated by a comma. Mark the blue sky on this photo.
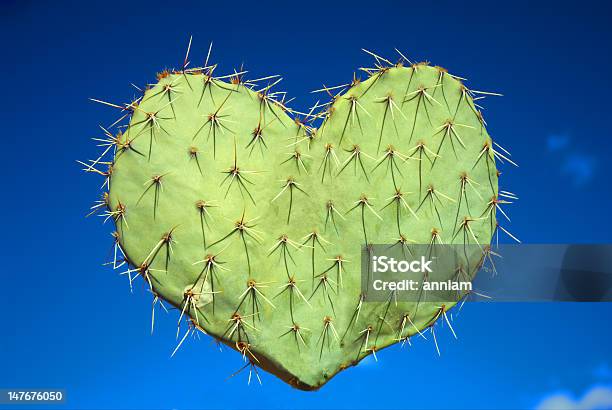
<point>70,323</point>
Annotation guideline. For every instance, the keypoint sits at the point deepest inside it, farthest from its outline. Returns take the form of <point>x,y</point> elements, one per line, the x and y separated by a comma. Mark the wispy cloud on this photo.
<point>598,397</point>
<point>603,371</point>
<point>557,142</point>
<point>580,168</point>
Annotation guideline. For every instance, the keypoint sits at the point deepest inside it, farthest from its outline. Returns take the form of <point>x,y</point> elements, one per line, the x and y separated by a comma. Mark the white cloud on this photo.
<point>597,398</point>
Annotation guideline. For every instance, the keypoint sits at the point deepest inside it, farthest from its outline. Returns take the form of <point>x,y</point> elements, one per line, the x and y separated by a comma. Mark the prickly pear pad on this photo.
<point>251,222</point>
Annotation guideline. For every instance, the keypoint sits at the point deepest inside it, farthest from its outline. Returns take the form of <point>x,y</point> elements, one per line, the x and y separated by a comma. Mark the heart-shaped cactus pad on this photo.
<point>250,218</point>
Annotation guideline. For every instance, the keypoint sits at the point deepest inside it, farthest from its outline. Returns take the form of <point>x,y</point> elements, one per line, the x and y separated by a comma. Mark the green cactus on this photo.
<point>250,222</point>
